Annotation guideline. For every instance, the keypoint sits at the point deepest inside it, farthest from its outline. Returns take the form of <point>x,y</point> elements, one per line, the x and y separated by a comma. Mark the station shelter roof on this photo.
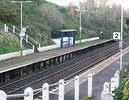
<point>65,33</point>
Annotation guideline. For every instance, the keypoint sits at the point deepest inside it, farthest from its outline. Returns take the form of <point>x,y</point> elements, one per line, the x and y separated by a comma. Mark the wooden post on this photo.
<point>105,92</point>
<point>29,92</point>
<point>3,95</point>
<point>113,85</point>
<point>26,38</point>
<point>77,88</point>
<point>13,29</point>
<point>5,28</point>
<point>116,76</point>
<point>89,85</point>
<point>61,89</point>
<point>106,87</point>
<point>33,47</point>
<point>45,92</point>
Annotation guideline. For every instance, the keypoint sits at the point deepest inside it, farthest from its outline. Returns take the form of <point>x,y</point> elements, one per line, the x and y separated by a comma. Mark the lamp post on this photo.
<point>80,21</point>
<point>21,37</point>
<point>121,38</point>
<point>80,11</point>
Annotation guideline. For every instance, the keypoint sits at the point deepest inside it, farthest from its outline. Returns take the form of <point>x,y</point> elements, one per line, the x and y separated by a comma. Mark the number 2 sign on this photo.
<point>116,35</point>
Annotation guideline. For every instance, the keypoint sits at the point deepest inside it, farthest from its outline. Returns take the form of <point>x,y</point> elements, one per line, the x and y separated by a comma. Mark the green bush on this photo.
<point>8,43</point>
<point>122,92</point>
<point>85,98</point>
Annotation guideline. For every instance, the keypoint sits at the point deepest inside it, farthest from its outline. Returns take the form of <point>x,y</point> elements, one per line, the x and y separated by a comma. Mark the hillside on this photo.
<point>8,43</point>
<point>41,18</point>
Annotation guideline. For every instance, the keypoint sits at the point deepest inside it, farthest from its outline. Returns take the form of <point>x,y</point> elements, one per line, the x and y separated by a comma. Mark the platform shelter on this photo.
<point>67,37</point>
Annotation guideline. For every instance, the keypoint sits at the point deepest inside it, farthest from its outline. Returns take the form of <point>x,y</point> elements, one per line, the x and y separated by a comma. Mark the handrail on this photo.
<point>23,37</point>
<point>14,32</point>
<point>34,41</point>
<point>17,95</point>
<point>18,29</point>
<point>28,42</point>
<point>30,38</point>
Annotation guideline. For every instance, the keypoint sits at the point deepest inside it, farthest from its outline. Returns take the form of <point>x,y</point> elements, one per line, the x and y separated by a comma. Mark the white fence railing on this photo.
<point>109,87</point>
<point>17,31</point>
<point>29,92</point>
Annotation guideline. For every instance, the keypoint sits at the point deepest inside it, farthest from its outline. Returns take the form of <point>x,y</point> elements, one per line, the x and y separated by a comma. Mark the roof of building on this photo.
<point>67,30</point>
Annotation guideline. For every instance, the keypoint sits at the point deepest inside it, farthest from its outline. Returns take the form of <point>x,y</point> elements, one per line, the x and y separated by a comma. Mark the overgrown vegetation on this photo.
<point>8,43</point>
<point>85,98</point>
<point>122,92</point>
<point>103,18</point>
<point>41,18</point>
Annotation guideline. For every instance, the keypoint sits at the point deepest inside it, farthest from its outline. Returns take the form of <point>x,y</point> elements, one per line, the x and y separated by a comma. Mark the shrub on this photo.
<point>122,92</point>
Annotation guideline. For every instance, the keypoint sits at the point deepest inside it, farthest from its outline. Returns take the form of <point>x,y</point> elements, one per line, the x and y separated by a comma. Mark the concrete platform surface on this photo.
<point>18,62</point>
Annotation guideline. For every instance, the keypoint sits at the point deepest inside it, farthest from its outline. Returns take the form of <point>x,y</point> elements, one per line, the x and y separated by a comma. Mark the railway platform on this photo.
<point>19,62</point>
<point>21,67</point>
<point>102,72</point>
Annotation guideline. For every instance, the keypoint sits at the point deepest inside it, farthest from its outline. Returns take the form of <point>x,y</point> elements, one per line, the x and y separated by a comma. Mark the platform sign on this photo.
<point>23,31</point>
<point>116,35</point>
<point>22,34</point>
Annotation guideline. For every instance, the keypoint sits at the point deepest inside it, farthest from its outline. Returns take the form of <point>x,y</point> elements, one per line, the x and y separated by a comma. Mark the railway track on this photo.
<point>70,68</point>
